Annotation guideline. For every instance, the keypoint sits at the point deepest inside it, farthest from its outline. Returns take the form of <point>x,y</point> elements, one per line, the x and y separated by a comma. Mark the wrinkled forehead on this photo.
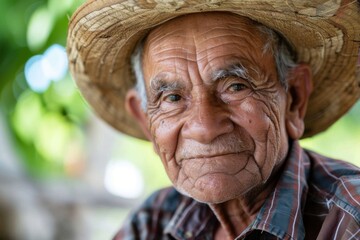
<point>214,41</point>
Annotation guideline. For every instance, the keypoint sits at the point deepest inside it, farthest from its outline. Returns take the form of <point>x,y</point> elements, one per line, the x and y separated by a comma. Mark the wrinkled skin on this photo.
<point>219,138</point>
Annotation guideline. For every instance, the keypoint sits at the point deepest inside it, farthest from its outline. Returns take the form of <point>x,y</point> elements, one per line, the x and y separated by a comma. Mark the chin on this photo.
<point>214,192</point>
<point>211,198</point>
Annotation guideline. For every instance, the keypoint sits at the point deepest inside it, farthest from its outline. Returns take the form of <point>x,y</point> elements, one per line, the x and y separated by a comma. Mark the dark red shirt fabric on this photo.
<point>315,198</point>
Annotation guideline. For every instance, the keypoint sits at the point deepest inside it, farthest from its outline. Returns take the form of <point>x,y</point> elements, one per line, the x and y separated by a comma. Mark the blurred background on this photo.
<point>64,174</point>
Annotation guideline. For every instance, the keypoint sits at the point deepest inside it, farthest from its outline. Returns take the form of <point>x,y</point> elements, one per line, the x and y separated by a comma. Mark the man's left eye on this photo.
<point>235,87</point>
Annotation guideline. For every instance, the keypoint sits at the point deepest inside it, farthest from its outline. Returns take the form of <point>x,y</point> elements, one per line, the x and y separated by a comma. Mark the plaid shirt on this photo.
<point>315,198</point>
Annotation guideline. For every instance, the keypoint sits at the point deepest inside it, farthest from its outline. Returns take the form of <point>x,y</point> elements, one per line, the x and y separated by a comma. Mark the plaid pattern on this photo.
<point>315,198</point>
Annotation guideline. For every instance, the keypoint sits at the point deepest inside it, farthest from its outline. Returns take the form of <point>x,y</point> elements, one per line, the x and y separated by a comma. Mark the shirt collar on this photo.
<point>280,215</point>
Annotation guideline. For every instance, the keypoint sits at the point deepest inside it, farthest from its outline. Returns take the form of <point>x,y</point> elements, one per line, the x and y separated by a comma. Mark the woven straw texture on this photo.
<point>325,34</point>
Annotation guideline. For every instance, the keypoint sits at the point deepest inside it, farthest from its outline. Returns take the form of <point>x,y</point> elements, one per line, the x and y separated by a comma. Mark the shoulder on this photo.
<point>337,181</point>
<point>333,167</point>
<point>150,218</point>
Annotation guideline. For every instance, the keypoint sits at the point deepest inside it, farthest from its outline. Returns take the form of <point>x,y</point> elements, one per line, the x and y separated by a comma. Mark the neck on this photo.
<point>237,214</point>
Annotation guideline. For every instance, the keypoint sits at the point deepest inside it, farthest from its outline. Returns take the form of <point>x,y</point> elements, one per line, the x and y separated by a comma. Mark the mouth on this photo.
<point>213,156</point>
<point>226,146</point>
<point>229,163</point>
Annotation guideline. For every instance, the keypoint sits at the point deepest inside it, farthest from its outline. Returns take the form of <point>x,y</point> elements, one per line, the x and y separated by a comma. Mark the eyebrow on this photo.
<point>159,84</point>
<point>237,70</point>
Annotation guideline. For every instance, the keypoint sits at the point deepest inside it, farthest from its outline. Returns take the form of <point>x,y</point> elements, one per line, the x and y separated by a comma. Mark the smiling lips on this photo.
<point>221,147</point>
<point>213,155</point>
<point>227,163</point>
<point>226,155</point>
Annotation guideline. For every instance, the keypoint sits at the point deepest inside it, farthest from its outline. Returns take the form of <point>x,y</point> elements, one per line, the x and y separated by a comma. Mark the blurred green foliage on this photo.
<point>45,125</point>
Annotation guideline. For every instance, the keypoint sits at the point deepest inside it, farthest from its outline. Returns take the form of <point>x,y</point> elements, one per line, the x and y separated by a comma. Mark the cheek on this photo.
<point>263,122</point>
<point>165,136</point>
<point>252,116</point>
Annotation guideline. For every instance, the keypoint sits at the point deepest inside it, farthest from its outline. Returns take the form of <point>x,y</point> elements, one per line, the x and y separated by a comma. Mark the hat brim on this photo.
<point>103,34</point>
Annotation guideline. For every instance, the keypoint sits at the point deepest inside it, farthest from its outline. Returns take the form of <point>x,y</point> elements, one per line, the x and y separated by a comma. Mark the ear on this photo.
<point>299,90</point>
<point>133,107</point>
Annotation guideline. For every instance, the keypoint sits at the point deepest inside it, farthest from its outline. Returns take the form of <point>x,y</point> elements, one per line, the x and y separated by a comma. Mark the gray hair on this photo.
<point>284,56</point>
<point>136,63</point>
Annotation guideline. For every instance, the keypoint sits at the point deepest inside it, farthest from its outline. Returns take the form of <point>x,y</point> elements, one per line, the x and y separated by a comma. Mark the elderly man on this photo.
<point>223,97</point>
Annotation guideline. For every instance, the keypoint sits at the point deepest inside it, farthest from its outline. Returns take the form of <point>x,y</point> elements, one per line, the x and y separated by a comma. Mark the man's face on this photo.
<point>216,110</point>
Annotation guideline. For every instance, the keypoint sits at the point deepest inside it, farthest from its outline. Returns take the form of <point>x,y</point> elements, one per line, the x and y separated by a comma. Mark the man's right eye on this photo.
<point>236,87</point>
<point>173,98</point>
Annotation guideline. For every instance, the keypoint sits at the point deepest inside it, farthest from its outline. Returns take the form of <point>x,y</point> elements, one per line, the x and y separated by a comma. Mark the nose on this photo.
<point>208,120</point>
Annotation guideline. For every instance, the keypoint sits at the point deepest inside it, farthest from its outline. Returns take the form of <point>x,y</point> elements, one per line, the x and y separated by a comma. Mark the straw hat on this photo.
<point>325,33</point>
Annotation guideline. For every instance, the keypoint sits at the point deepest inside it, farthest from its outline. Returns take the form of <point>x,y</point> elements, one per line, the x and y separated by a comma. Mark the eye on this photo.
<point>172,98</point>
<point>236,87</point>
